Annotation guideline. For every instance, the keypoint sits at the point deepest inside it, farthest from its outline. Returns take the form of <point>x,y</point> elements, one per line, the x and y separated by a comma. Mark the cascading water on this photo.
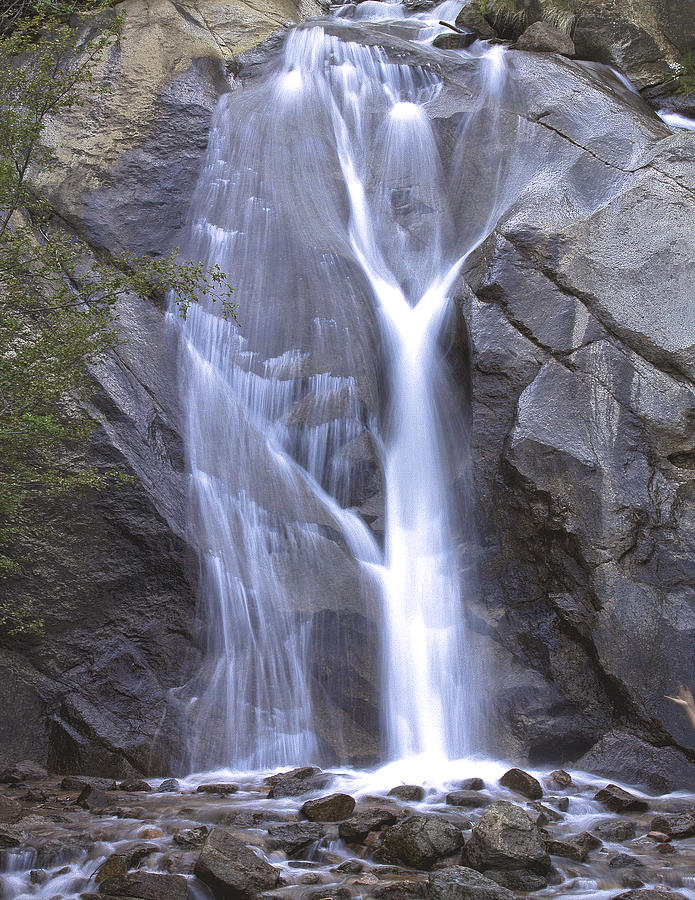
<point>326,198</point>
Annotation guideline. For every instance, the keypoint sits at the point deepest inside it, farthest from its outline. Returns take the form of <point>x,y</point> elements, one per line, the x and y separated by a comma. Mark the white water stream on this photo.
<point>326,198</point>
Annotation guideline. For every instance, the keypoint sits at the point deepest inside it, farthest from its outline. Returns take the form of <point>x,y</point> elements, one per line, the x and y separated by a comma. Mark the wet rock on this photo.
<point>468,799</point>
<point>624,861</point>
<point>517,879</point>
<point>472,18</point>
<point>659,837</point>
<point>38,876</point>
<point>116,864</point>
<point>136,854</point>
<point>563,804</point>
<point>135,786</point>
<point>419,841</point>
<point>451,40</point>
<point>358,826</point>
<point>224,788</point>
<point>10,810</point>
<point>350,867</point>
<point>297,782</point>
<point>523,783</point>
<point>619,800</point>
<point>150,832</point>
<point>146,886</point>
<point>399,890</point>
<point>169,786</point>
<point>612,830</point>
<point>542,815</point>
<point>21,772</point>
<point>332,808</point>
<point>650,894</point>
<point>408,793</point>
<point>665,849</point>
<point>92,798</point>
<point>576,847</point>
<point>191,837</point>
<point>505,838</point>
<point>294,837</point>
<point>461,883</point>
<point>472,784</point>
<point>75,783</point>
<point>542,37</point>
<point>561,778</point>
<point>676,825</point>
<point>34,796</point>
<point>233,870</point>
<point>622,755</point>
<point>327,893</point>
<point>8,839</point>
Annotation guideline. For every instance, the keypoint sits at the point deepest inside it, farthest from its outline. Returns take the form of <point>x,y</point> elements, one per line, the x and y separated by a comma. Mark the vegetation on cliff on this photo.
<point>58,299</point>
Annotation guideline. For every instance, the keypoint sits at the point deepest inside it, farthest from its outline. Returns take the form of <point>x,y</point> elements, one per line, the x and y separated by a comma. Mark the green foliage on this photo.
<point>686,76</point>
<point>559,13</point>
<point>57,303</point>
<point>507,14</point>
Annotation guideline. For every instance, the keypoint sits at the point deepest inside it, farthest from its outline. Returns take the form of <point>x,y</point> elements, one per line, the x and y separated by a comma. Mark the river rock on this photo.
<point>146,886</point>
<point>116,864</point>
<point>461,883</point>
<point>231,869</point>
<point>22,771</point>
<point>576,847</point>
<point>472,18</point>
<point>624,756</point>
<point>472,784</point>
<point>419,841</point>
<point>297,782</point>
<point>75,783</point>
<point>523,783</point>
<point>517,879</point>
<point>169,786</point>
<point>468,799</point>
<point>92,798</point>
<point>623,861</point>
<point>191,837</point>
<point>294,837</point>
<point>223,788</point>
<point>650,894</point>
<point>620,800</point>
<point>365,820</point>
<point>505,838</point>
<point>676,825</point>
<point>135,786</point>
<point>615,830</point>
<point>561,778</point>
<point>398,890</point>
<point>542,37</point>
<point>332,808</point>
<point>408,793</point>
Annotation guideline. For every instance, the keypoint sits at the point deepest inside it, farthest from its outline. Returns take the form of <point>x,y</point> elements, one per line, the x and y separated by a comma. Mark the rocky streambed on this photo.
<point>481,831</point>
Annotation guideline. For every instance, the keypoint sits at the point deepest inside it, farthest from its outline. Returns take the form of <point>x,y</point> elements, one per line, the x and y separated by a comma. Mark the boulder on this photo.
<point>398,890</point>
<point>365,820</point>
<point>135,786</point>
<point>419,841</point>
<point>191,837</point>
<point>472,18</point>
<point>517,879</point>
<point>224,788</point>
<point>523,783</point>
<point>542,37</point>
<point>620,800</point>
<point>561,778</point>
<point>576,847</point>
<point>408,793</point>
<point>332,808</point>
<point>623,755</point>
<point>146,886</point>
<point>92,798</point>
<point>650,894</point>
<point>294,837</point>
<point>505,838</point>
<point>75,783</point>
<point>169,786</point>
<point>677,825</point>
<point>461,883</point>
<point>472,784</point>
<point>468,799</point>
<point>232,870</point>
<point>116,864</point>
<point>624,861</point>
<point>22,771</point>
<point>299,781</point>
<point>615,830</point>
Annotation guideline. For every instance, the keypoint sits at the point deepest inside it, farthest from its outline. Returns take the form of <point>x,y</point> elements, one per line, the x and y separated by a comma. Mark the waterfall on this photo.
<point>326,197</point>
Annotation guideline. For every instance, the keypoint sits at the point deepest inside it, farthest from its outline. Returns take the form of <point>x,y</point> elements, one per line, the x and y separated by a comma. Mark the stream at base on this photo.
<point>62,847</point>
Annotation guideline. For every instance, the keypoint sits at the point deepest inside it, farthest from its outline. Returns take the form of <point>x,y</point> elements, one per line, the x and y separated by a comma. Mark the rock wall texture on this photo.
<point>578,333</point>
